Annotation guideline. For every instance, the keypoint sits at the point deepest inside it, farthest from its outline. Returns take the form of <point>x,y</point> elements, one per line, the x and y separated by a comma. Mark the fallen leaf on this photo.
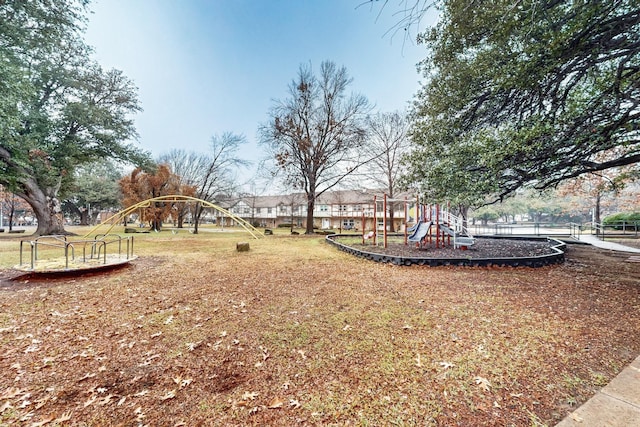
<point>447,365</point>
<point>62,418</point>
<point>193,345</point>
<point>87,376</point>
<point>170,395</point>
<point>275,403</point>
<point>106,400</point>
<point>483,383</point>
<point>90,400</point>
<point>41,402</point>
<point>139,414</point>
<point>11,392</point>
<point>250,395</point>
<point>182,382</point>
<point>418,361</point>
<point>575,417</point>
<point>294,403</point>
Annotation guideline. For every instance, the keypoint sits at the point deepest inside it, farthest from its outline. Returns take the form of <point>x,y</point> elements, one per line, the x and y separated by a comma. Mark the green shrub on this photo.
<point>616,220</point>
<point>284,225</point>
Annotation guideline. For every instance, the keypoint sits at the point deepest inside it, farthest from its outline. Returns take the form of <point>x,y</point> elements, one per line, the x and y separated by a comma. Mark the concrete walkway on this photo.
<point>616,405</point>
<point>604,244</point>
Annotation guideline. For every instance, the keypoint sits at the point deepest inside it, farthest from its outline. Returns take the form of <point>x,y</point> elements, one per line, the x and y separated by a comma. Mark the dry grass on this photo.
<point>296,332</point>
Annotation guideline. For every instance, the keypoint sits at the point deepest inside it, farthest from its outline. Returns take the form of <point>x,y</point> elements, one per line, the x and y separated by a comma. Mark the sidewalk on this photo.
<point>604,244</point>
<point>616,405</point>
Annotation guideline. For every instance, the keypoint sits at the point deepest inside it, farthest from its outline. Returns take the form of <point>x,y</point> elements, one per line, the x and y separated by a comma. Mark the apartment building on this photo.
<point>333,210</point>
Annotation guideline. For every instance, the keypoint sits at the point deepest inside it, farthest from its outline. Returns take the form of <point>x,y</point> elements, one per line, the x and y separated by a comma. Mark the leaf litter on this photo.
<point>164,343</point>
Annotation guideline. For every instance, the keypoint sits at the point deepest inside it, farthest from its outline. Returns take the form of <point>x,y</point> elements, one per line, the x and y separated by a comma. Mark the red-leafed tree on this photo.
<point>141,186</point>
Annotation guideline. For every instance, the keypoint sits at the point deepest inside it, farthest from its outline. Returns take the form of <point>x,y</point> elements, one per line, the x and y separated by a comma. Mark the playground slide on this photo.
<point>421,230</point>
<point>415,226</point>
<point>461,240</point>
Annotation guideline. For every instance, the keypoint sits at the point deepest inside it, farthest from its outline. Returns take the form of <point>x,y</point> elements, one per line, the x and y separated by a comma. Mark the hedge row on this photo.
<point>621,217</point>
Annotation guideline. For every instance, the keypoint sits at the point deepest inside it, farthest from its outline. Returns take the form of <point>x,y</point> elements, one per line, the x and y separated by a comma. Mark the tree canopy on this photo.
<point>95,189</point>
<point>140,186</point>
<point>60,109</point>
<point>525,93</point>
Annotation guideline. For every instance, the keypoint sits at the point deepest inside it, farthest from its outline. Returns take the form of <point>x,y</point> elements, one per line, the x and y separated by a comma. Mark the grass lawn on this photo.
<point>296,332</point>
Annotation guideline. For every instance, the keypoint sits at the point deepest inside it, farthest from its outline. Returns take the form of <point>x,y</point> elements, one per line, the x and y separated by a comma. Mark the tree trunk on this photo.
<point>311,202</point>
<point>11,213</point>
<point>84,216</point>
<point>596,213</point>
<point>46,208</point>
<point>391,206</point>
<point>464,213</point>
<point>196,218</point>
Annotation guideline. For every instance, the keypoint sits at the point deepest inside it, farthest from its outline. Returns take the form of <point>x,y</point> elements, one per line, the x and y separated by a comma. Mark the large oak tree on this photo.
<point>60,109</point>
<point>526,93</point>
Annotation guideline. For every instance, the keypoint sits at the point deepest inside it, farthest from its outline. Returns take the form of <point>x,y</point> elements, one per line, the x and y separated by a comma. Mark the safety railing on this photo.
<point>92,249</point>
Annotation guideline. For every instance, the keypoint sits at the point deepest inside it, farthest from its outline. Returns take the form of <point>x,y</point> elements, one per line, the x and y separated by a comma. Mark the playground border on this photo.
<point>557,257</point>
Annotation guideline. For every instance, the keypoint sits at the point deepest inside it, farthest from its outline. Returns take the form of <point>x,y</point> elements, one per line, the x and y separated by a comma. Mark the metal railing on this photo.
<point>92,249</point>
<point>528,229</point>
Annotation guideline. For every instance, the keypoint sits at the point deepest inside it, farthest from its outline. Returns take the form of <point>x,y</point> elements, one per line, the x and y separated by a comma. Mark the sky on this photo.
<point>205,67</point>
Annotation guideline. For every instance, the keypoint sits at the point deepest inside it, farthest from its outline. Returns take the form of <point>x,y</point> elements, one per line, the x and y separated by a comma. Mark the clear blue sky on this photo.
<point>205,67</point>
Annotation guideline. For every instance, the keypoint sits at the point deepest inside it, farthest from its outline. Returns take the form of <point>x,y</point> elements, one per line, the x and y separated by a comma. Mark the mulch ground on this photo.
<point>481,249</point>
<point>295,332</point>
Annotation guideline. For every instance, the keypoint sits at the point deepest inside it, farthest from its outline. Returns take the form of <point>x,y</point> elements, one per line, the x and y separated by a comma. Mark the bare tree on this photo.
<point>212,173</point>
<point>314,135</point>
<point>388,138</point>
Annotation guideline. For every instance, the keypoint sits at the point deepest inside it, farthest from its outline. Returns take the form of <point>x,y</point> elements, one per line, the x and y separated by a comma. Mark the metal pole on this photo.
<point>406,214</point>
<point>437,226</point>
<point>375,221</point>
<point>384,220</point>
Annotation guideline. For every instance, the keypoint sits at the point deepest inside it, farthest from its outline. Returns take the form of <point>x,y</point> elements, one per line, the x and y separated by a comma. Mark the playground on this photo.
<point>295,332</point>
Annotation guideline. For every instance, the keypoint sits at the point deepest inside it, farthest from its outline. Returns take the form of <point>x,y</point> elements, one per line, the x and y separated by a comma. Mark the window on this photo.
<point>269,210</point>
<point>283,208</point>
<point>247,210</point>
<point>357,208</point>
<point>348,224</point>
<point>343,208</point>
<point>324,208</point>
<point>257,210</point>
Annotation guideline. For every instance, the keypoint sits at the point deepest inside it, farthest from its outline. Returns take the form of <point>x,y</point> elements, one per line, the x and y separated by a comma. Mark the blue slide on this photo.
<point>420,231</point>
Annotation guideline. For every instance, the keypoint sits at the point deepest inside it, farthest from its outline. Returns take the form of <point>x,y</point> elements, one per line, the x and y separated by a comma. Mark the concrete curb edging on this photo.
<point>557,257</point>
